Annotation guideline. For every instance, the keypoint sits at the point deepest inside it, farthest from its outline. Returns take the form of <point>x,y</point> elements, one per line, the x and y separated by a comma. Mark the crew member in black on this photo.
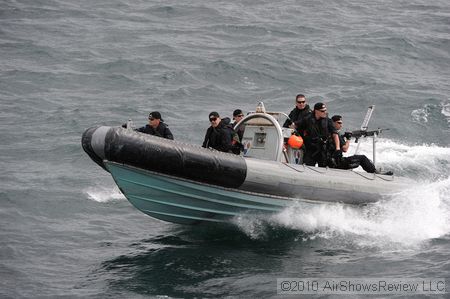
<point>156,126</point>
<point>237,116</point>
<point>319,136</point>
<point>351,161</point>
<point>217,136</point>
<point>300,111</point>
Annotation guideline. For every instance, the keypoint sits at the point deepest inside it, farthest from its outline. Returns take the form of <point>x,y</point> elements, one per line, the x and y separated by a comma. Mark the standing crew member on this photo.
<point>237,116</point>
<point>319,135</point>
<point>217,136</point>
<point>300,111</point>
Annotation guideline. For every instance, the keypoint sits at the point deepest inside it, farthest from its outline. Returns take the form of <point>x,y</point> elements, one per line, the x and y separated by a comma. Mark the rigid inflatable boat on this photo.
<point>184,183</point>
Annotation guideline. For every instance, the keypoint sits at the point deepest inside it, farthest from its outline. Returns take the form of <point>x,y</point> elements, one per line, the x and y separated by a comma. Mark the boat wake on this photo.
<point>104,194</point>
<point>407,219</point>
<point>402,220</point>
<point>420,162</point>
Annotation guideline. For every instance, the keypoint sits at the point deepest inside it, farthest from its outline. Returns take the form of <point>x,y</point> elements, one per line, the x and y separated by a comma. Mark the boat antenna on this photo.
<point>260,108</point>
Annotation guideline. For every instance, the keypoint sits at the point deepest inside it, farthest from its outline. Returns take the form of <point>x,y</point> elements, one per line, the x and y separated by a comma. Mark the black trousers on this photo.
<point>355,161</point>
<point>311,158</point>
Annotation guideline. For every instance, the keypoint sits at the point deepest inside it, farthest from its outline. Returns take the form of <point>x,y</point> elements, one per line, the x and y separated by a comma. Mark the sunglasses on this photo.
<point>339,122</point>
<point>213,119</point>
<point>151,118</point>
<point>240,115</point>
<point>301,102</point>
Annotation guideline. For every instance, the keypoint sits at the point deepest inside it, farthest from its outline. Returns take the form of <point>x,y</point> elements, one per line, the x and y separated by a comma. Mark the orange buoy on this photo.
<point>295,141</point>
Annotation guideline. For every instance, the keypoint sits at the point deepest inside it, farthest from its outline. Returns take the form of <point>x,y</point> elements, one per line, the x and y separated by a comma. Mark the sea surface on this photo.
<point>66,231</point>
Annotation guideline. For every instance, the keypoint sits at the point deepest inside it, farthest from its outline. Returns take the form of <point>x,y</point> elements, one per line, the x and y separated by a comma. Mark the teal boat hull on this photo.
<point>187,202</point>
<point>182,183</point>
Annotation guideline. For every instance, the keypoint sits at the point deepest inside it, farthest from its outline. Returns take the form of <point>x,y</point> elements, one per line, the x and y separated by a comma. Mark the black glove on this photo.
<point>348,135</point>
<point>336,159</point>
<point>337,156</point>
<point>124,125</point>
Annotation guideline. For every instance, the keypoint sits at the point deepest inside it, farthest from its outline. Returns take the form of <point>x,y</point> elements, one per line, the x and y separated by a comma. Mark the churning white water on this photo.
<point>104,194</point>
<point>402,220</point>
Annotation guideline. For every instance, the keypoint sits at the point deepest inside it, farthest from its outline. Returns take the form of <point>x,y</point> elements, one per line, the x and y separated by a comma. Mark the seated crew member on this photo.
<point>217,136</point>
<point>319,137</point>
<point>351,161</point>
<point>156,126</point>
<point>300,111</point>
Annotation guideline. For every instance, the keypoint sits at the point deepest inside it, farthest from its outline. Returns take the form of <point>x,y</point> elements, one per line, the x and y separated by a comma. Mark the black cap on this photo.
<point>237,112</point>
<point>336,118</point>
<point>319,106</point>
<point>214,113</point>
<point>155,114</point>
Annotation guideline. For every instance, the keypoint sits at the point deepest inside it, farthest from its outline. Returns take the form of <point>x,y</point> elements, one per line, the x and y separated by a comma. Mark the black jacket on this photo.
<point>316,132</point>
<point>297,115</point>
<point>218,138</point>
<point>162,130</point>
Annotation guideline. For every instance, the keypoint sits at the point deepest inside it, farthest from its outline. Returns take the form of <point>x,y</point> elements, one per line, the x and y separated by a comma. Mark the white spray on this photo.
<point>405,219</point>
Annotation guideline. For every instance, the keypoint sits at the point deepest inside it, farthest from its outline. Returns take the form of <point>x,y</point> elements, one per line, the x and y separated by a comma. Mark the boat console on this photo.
<point>264,137</point>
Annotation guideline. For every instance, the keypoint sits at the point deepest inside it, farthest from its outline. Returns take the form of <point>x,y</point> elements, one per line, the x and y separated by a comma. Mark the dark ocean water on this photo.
<point>65,229</point>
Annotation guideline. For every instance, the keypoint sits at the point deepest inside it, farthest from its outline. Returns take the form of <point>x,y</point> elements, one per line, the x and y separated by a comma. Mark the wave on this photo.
<point>403,221</point>
<point>432,112</point>
<point>446,112</point>
<point>104,194</point>
<point>400,221</point>
<point>422,162</point>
